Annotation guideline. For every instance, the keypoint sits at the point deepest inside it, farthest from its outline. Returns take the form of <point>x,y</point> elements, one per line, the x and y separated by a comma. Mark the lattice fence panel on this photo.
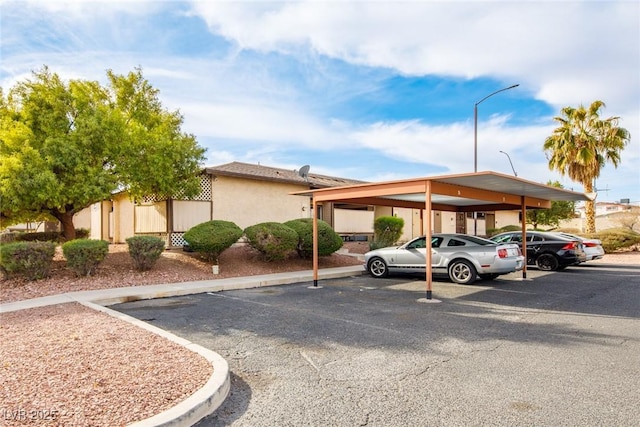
<point>177,240</point>
<point>205,192</point>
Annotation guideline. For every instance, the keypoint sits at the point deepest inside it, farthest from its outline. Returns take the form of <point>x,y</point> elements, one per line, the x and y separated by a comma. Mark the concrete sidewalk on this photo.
<point>106,297</point>
<point>207,399</point>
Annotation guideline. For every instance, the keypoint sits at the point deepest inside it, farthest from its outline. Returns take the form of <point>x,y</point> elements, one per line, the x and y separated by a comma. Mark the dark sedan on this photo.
<point>547,251</point>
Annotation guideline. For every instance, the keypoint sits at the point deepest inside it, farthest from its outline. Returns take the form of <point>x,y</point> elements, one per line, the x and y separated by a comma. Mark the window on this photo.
<point>417,244</point>
<point>455,242</point>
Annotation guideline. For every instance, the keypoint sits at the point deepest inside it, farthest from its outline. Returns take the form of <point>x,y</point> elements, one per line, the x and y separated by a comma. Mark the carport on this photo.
<point>470,192</point>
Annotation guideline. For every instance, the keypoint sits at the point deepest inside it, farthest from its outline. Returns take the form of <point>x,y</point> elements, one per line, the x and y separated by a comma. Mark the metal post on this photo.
<point>475,143</point>
<point>475,125</point>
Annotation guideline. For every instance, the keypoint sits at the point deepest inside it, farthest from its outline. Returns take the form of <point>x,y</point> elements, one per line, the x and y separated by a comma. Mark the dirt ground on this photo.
<point>174,266</point>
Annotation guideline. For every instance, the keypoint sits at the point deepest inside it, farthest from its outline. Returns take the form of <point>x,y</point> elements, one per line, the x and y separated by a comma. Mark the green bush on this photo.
<point>615,239</point>
<point>276,241</point>
<point>84,255</point>
<point>211,238</point>
<point>387,231</point>
<point>40,236</point>
<point>328,240</point>
<point>145,251</point>
<point>31,260</point>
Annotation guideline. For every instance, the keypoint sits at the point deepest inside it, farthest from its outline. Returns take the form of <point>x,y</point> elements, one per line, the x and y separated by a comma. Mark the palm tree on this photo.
<point>582,145</point>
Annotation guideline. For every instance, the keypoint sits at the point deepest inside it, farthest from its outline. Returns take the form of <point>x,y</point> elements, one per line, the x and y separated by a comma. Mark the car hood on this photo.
<point>381,251</point>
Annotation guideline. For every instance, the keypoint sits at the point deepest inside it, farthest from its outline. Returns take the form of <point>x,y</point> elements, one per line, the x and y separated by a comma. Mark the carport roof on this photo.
<point>480,191</point>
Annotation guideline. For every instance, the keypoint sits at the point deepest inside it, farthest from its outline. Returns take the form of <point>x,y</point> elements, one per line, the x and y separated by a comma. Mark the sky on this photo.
<point>370,90</point>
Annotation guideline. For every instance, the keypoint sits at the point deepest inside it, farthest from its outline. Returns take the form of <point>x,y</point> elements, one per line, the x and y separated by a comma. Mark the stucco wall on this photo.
<point>247,202</point>
<point>504,218</point>
<point>349,221</point>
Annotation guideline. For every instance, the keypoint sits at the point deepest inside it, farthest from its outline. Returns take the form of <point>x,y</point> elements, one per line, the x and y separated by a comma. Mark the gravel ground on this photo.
<point>68,365</point>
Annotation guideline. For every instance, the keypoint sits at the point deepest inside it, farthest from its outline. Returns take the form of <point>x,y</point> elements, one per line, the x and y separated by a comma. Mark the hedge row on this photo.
<point>40,236</point>
<point>276,241</point>
<point>33,260</point>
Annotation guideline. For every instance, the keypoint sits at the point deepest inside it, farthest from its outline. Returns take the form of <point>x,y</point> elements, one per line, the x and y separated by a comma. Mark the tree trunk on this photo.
<point>590,211</point>
<point>66,221</point>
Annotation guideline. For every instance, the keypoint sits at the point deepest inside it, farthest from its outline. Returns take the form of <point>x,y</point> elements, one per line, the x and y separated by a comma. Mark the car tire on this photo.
<point>378,268</point>
<point>547,262</point>
<point>462,272</point>
<point>488,276</point>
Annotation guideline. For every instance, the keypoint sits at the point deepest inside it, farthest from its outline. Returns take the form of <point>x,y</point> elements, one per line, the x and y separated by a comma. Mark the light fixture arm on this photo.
<point>510,162</point>
<point>475,125</point>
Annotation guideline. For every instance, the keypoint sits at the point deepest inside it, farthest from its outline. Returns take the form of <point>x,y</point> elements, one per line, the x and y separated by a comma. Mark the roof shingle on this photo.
<point>267,173</point>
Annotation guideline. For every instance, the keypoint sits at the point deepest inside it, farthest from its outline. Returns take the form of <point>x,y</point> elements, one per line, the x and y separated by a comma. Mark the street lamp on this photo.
<point>508,157</point>
<point>475,144</point>
<point>475,125</point>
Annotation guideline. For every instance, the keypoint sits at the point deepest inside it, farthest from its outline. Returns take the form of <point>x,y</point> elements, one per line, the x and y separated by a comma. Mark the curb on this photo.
<point>210,396</point>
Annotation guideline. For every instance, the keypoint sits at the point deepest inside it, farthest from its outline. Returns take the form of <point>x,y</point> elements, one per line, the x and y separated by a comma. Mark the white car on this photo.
<point>461,257</point>
<point>592,247</point>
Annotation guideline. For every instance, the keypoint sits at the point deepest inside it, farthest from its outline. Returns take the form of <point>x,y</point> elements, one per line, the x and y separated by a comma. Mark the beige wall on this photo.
<point>504,218</point>
<point>349,221</point>
<point>247,202</point>
<point>82,219</point>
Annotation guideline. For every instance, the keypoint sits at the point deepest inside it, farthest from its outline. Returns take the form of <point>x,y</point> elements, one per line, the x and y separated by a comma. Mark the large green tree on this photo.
<point>581,146</point>
<point>66,145</point>
<point>558,211</point>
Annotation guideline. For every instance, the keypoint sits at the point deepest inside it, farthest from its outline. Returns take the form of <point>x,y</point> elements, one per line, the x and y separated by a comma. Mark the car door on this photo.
<point>413,255</point>
<point>535,244</point>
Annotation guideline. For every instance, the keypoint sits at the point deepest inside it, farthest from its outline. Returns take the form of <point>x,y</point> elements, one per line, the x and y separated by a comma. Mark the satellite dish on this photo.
<point>304,171</point>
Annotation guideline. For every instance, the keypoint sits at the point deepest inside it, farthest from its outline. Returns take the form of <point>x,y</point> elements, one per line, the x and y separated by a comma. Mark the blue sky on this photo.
<point>371,90</point>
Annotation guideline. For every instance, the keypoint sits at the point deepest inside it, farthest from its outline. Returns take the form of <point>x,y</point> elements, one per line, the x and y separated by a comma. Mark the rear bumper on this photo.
<point>504,266</point>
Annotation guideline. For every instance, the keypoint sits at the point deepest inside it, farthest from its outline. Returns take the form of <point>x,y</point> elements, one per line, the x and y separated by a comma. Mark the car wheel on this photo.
<point>490,276</point>
<point>547,262</point>
<point>463,272</point>
<point>378,268</point>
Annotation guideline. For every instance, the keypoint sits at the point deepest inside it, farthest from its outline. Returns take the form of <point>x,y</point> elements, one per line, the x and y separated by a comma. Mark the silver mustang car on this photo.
<point>461,257</point>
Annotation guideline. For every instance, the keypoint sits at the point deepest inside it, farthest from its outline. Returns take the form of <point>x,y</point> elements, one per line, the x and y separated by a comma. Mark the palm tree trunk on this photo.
<point>590,210</point>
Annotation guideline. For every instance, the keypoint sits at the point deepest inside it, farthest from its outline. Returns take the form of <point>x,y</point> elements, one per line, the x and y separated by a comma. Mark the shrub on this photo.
<point>145,251</point>
<point>387,230</point>
<point>211,238</point>
<point>31,260</point>
<point>328,240</point>
<point>84,255</point>
<point>40,236</point>
<point>616,238</point>
<point>273,239</point>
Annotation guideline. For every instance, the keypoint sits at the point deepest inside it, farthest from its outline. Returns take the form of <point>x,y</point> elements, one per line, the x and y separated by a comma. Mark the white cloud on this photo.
<point>553,46</point>
<point>563,53</point>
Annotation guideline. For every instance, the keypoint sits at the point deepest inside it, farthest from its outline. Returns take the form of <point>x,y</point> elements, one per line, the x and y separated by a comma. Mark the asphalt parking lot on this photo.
<point>560,349</point>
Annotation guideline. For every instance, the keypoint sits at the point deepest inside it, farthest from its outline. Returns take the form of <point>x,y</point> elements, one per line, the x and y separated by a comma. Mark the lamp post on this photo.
<point>475,125</point>
<point>510,162</point>
<point>475,144</point>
